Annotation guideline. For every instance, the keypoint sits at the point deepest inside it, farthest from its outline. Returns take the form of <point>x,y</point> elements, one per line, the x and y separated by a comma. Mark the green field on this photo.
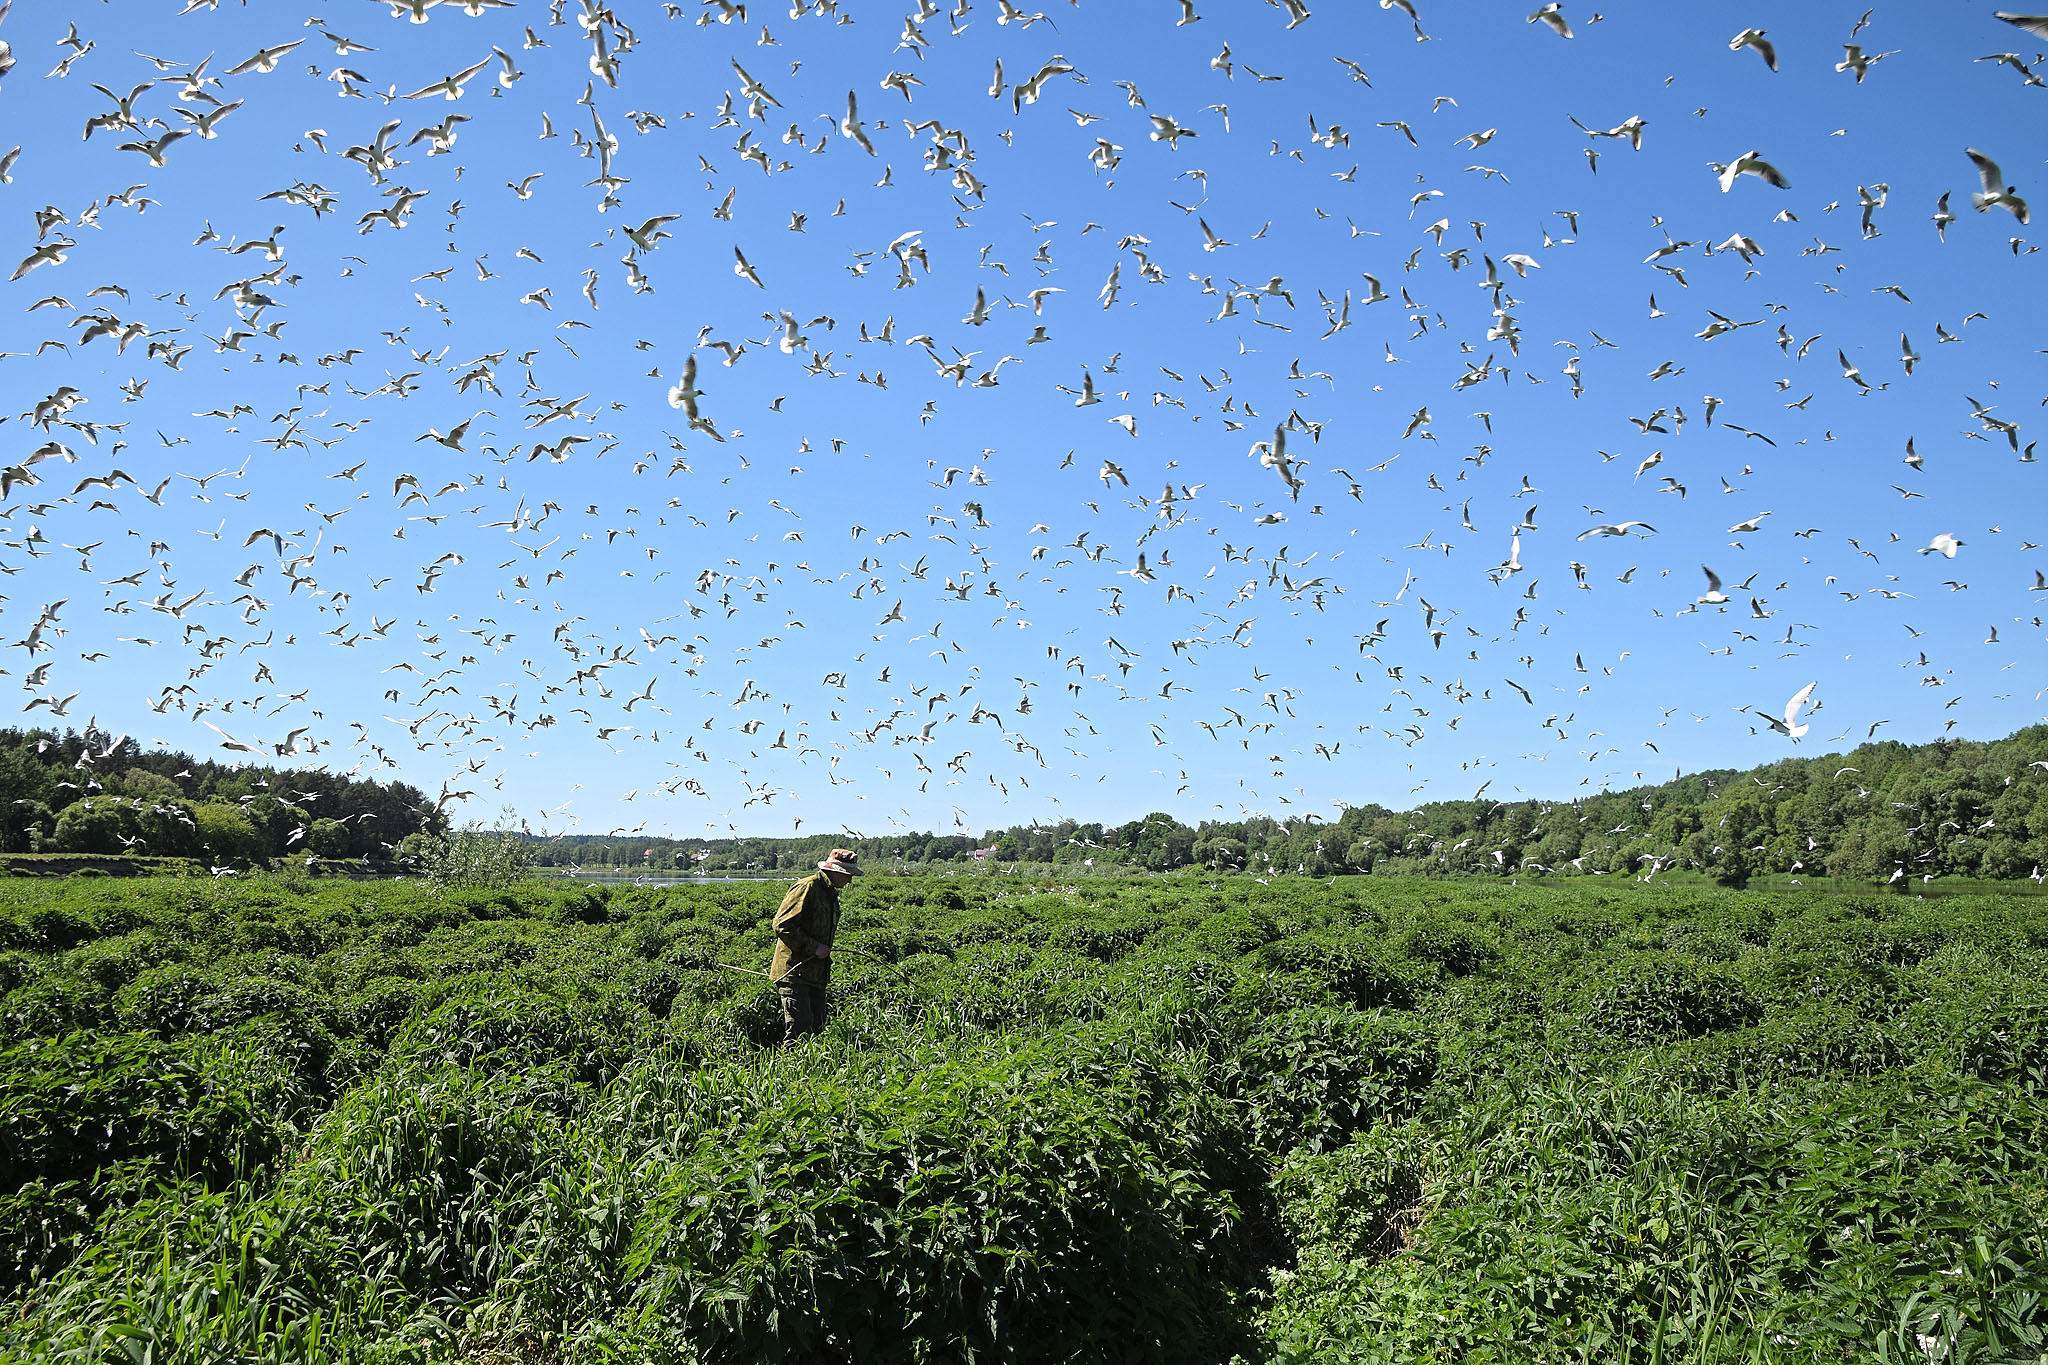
<point>1175,1120</point>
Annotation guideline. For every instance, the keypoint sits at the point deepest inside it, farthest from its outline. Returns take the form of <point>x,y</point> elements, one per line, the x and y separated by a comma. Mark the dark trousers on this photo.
<point>803,1009</point>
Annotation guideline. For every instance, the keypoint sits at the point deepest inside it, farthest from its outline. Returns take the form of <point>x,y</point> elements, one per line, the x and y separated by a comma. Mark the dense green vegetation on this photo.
<point>1891,813</point>
<point>1953,808</point>
<point>97,793</point>
<point>1161,1119</point>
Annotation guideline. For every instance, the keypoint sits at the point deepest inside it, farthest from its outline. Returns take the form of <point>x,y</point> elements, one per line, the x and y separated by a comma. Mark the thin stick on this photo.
<point>772,980</point>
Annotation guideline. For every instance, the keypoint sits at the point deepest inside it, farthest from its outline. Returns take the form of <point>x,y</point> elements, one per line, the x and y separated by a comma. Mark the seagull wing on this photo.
<point>1793,708</point>
<point>1987,170</point>
<point>2036,24</point>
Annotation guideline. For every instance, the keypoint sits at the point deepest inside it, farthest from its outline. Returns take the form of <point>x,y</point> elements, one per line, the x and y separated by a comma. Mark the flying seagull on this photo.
<point>1754,37</point>
<point>1995,190</point>
<point>1749,163</point>
<point>1791,726</point>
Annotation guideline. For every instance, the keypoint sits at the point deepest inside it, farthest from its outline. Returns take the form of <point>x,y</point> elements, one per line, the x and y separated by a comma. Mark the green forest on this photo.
<point>1950,808</point>
<point>1886,812</point>
<point>94,793</point>
<point>1189,1119</point>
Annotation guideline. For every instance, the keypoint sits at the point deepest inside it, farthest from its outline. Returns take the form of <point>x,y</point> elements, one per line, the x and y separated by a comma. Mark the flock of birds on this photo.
<point>585,425</point>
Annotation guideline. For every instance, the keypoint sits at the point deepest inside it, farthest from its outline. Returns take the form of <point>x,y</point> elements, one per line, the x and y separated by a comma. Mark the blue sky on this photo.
<point>497,646</point>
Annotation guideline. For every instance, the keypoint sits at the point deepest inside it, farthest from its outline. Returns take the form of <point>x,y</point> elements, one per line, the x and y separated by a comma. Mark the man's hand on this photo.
<point>822,954</point>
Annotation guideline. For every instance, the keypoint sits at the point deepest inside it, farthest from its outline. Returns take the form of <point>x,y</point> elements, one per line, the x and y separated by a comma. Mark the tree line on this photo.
<point>1883,811</point>
<point>92,793</point>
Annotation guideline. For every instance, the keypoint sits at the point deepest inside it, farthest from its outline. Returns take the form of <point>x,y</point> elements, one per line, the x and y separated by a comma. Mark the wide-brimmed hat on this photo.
<point>841,860</point>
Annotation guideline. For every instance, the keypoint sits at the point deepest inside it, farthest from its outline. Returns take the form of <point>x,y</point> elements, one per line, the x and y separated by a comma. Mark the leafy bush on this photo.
<point>1359,967</point>
<point>930,1207</point>
<point>416,1168</point>
<point>1459,947</point>
<point>467,859</point>
<point>88,1117</point>
<point>1650,996</point>
<point>1308,1079</point>
<point>510,1026</point>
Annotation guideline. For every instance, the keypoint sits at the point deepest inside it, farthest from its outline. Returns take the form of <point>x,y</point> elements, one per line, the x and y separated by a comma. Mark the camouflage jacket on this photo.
<point>806,921</point>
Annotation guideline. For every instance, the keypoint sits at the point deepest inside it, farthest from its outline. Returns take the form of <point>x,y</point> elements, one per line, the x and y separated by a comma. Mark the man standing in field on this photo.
<point>804,927</point>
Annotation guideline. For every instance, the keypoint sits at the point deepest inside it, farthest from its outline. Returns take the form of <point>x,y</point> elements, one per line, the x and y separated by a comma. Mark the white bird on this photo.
<point>1749,163</point>
<point>1754,37</point>
<point>265,60</point>
<point>850,126</point>
<point>1273,455</point>
<point>442,135</point>
<point>1942,216</point>
<point>1857,60</point>
<point>1995,190</point>
<point>1944,545</point>
<point>1551,16</point>
<point>649,234</point>
<point>1850,372</point>
<point>45,253</point>
<point>1166,130</point>
<point>685,393</point>
<point>1713,596</point>
<point>744,270</point>
<point>155,147</point>
<point>448,87</point>
<point>1630,128</point>
<point>1617,529</point>
<point>752,88</point>
<point>1790,725</point>
<point>453,438</point>
<point>900,82</point>
<point>203,123</point>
